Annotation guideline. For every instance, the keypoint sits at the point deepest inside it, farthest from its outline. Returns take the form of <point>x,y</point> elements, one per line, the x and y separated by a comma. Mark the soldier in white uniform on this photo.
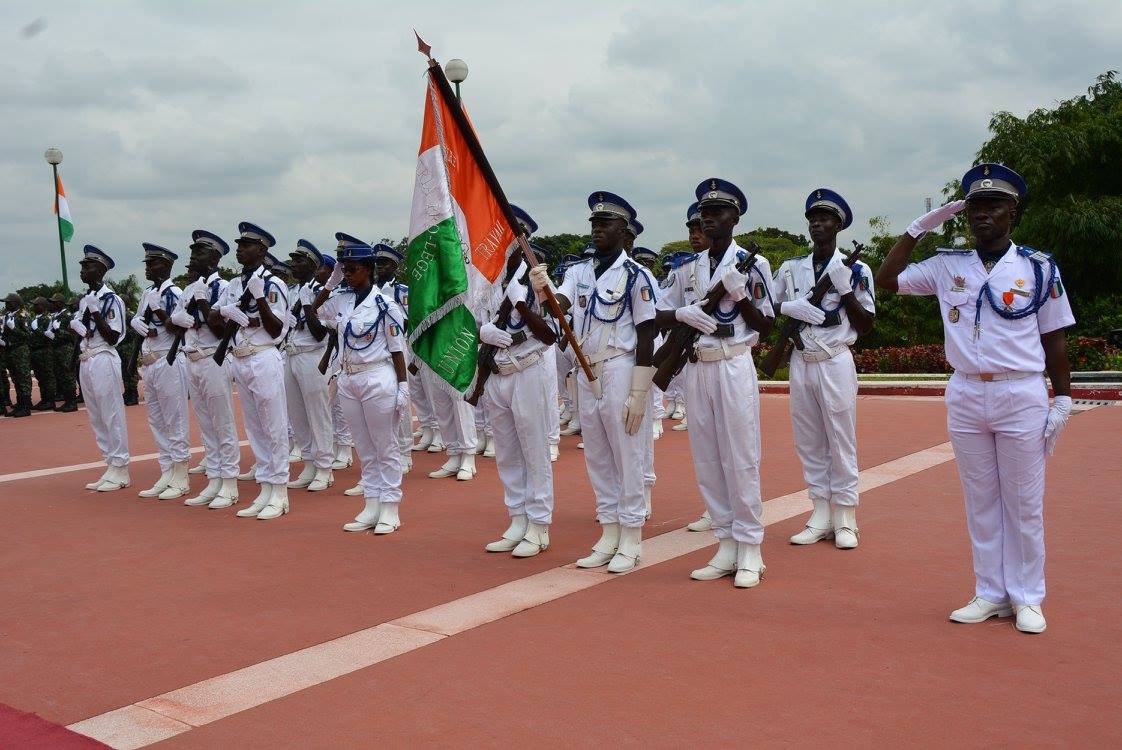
<point>165,385</point>
<point>721,390</point>
<point>208,382</point>
<point>387,260</point>
<point>646,258</point>
<point>823,379</point>
<point>342,442</point>
<point>1004,313</point>
<point>99,323</point>
<point>612,300</point>
<point>257,303</point>
<point>305,387</point>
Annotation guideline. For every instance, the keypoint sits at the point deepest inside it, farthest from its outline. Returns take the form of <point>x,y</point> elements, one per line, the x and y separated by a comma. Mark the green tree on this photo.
<point>776,245</point>
<point>557,246</point>
<point>29,293</point>
<point>128,289</point>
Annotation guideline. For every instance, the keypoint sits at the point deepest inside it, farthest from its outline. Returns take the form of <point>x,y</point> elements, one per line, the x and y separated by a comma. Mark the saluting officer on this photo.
<point>613,304</point>
<point>1004,313</point>
<point>100,322</point>
<point>823,380</point>
<point>721,390</point>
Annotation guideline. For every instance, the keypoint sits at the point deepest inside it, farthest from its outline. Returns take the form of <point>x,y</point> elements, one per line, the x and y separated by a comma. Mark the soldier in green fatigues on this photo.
<point>17,336</point>
<point>131,377</point>
<point>62,354</point>
<point>5,384</point>
<point>41,350</point>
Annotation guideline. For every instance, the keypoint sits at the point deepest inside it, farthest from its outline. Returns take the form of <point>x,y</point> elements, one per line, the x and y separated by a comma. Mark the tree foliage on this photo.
<point>557,246</point>
<point>777,245</point>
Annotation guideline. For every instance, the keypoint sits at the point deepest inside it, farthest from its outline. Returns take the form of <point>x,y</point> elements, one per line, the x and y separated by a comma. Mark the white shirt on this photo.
<point>690,282</point>
<point>795,280</point>
<point>957,277</point>
<point>112,310</point>
<point>276,296</point>
<point>370,331</point>
<point>609,297</point>
<point>198,336</point>
<point>305,294</point>
<point>168,295</point>
<point>515,323</point>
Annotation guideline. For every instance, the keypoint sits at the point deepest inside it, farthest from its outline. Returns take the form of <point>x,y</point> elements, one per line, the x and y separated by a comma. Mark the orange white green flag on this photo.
<point>62,211</point>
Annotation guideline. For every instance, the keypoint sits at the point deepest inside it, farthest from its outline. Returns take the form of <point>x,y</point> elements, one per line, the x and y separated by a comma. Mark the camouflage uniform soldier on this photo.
<point>131,378</point>
<point>17,336</point>
<point>62,354</point>
<point>5,384</point>
<point>41,350</point>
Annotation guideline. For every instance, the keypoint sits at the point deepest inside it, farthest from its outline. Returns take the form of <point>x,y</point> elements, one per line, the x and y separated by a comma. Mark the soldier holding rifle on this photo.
<point>62,349</point>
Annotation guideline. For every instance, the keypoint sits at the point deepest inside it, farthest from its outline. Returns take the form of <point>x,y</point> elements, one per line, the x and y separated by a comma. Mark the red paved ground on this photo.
<point>118,599</point>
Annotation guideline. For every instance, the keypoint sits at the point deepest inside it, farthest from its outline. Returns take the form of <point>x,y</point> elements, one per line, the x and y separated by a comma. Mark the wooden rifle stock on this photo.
<point>232,327</point>
<point>329,350</point>
<point>181,334</point>
<point>134,355</point>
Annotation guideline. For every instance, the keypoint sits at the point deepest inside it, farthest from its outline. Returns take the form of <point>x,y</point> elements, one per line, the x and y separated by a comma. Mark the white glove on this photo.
<point>50,333</point>
<point>516,292</point>
<point>335,278</point>
<point>539,279</point>
<point>77,327</point>
<point>841,276</point>
<point>255,286</point>
<point>801,309</point>
<point>635,407</point>
<point>495,336</point>
<point>695,317</point>
<point>182,319</point>
<point>10,322</point>
<point>401,401</point>
<point>235,314</point>
<point>735,284</point>
<point>934,218</point>
<point>139,326</point>
<point>89,302</point>
<point>201,292</point>
<point>154,301</point>
<point>1057,420</point>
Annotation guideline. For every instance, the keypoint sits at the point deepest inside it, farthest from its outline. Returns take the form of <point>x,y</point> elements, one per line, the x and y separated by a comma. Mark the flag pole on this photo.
<point>58,226</point>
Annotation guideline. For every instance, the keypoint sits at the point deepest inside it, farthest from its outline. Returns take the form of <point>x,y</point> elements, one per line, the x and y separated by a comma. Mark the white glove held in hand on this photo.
<point>736,284</point>
<point>515,292</point>
<point>401,400</point>
<point>491,334</point>
<point>235,314</point>
<point>841,276</point>
<point>635,407</point>
<point>77,327</point>
<point>695,317</point>
<point>801,309</point>
<point>1057,420</point>
<point>934,218</point>
<point>256,286</point>
<point>335,278</point>
<point>539,279</point>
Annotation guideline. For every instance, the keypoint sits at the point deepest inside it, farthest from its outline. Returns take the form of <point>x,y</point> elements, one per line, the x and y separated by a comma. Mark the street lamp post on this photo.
<point>457,72</point>
<point>54,158</point>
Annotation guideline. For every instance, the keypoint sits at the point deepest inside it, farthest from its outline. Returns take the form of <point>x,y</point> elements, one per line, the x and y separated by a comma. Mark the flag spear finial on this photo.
<point>422,47</point>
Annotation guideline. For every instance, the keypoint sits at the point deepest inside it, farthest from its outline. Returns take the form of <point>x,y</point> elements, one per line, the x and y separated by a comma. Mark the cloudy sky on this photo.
<point>305,116</point>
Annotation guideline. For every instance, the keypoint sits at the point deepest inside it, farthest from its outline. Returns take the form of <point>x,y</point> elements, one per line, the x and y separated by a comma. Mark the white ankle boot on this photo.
<point>294,453</point>
<point>1030,619</point>
<point>388,519</point>
<point>630,545</point>
<point>304,478</point>
<point>467,467</point>
<point>845,526</point>
<point>604,549</point>
<point>573,428</point>
<point>178,483</point>
<point>749,566</point>
<point>105,475</point>
<point>426,439</point>
<point>647,500</point>
<point>680,426</point>
<point>535,542</point>
<point>343,457</point>
<point>702,524</point>
<point>227,494</point>
<point>259,502</point>
<point>406,462</point>
<point>248,476</point>
<point>489,448</point>
<point>200,468</point>
<point>818,526</point>
<point>116,478</point>
<point>554,452</point>
<point>321,481</point>
<point>278,503</point>
<point>449,469</point>
<point>160,485</point>
<point>367,518</point>
<point>722,564</point>
<point>511,537</point>
<point>437,444</point>
<point>208,494</point>
<point>355,491</point>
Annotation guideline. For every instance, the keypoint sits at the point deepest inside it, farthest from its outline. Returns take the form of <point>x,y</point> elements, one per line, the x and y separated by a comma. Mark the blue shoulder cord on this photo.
<point>213,287</point>
<point>108,303</point>
<point>624,301</point>
<point>1042,293</point>
<point>855,279</point>
<point>723,316</point>
<point>349,332</point>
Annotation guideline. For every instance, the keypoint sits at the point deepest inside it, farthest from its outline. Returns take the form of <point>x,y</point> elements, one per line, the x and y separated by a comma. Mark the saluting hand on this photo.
<point>934,218</point>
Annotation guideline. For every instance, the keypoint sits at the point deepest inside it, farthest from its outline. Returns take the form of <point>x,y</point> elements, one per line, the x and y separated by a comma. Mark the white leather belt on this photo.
<point>517,364</point>
<point>153,357</point>
<point>352,368</point>
<point>810,355</point>
<point>198,354</point>
<point>248,350</point>
<point>989,377</point>
<point>90,353</point>
<point>718,353</point>
<point>304,349</point>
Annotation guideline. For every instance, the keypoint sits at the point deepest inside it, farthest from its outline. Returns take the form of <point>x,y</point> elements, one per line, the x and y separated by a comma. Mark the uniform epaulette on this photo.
<point>1038,255</point>
<point>683,260</point>
<point>954,250</point>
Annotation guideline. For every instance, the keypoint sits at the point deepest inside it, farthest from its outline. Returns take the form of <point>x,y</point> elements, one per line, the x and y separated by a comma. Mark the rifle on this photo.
<point>74,358</point>
<point>485,358</point>
<point>329,350</point>
<point>678,347</point>
<point>134,355</point>
<point>789,336</point>
<point>181,334</point>
<point>231,326</point>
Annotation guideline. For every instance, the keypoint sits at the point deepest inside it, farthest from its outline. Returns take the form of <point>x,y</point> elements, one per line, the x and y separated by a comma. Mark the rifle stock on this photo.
<point>134,355</point>
<point>329,350</point>
<point>181,334</point>
<point>231,326</point>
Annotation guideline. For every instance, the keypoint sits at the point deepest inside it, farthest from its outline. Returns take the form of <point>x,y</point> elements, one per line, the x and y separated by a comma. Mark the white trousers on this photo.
<point>674,391</point>
<point>309,407</point>
<point>997,430</point>
<point>724,412</point>
<point>455,416</point>
<point>565,362</point>
<point>100,377</point>
<point>615,460</point>
<point>212,398</point>
<point>422,402</point>
<point>552,404</point>
<point>165,398</point>
<point>341,433</point>
<point>260,379</point>
<point>516,403</point>
<point>823,406</point>
<point>658,403</point>
<point>482,420</point>
<point>367,399</point>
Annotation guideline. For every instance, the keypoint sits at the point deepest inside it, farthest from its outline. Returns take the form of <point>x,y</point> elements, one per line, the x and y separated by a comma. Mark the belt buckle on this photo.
<point>986,377</point>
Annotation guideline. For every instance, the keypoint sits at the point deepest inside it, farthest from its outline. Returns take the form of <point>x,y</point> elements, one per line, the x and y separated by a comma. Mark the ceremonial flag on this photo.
<point>62,211</point>
<point>459,236</point>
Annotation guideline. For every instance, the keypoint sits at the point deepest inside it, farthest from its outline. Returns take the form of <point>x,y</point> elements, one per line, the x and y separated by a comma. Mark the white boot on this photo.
<point>388,520</point>
<point>321,481</point>
<point>1030,619</point>
<point>227,494</point>
<point>160,485</point>
<point>178,484</point>
<point>647,500</point>
<point>980,610</point>
<point>680,426</point>
<point>818,526</point>
<point>573,428</point>
<point>467,467</point>
<point>566,414</point>
<point>249,475</point>
<point>449,469</point>
<point>845,526</point>
<point>489,448</point>
<point>95,483</point>
<point>426,439</point>
<point>259,502</point>
<point>208,494</point>
<point>343,457</point>
<point>116,479</point>
<point>294,453</point>
<point>437,444</point>
<point>355,491</point>
<point>367,518</point>
<point>278,503</point>
<point>630,545</point>
<point>304,478</point>
<point>702,524</point>
<point>511,537</point>
<point>604,549</point>
<point>554,452</point>
<point>535,542</point>
<point>200,468</point>
<point>723,563</point>
<point>749,566</point>
<point>656,428</point>
<point>406,462</point>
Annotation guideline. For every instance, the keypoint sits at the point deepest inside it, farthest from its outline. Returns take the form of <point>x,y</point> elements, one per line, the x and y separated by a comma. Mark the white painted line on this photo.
<point>34,473</point>
<point>243,689</point>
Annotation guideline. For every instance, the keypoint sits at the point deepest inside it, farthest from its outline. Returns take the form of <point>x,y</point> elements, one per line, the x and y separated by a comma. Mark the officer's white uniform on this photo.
<point>306,388</point>
<point>399,293</point>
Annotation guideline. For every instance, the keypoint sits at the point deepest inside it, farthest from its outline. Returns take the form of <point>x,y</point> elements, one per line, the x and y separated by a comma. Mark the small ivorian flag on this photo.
<point>62,211</point>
